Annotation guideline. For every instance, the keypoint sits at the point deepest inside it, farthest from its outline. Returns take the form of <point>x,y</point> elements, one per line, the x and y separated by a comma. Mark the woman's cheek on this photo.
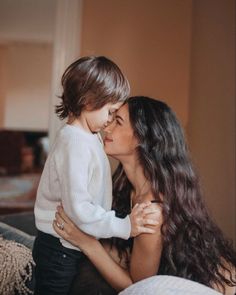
<point>107,148</point>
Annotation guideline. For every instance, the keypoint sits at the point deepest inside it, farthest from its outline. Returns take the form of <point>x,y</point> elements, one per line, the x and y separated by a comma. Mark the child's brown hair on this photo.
<point>91,82</point>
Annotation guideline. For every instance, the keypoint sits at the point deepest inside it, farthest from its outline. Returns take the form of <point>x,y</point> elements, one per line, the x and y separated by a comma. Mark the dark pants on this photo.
<point>56,266</point>
<point>88,281</point>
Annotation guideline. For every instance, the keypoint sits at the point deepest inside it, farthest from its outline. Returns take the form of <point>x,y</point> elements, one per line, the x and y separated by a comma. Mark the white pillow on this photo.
<point>168,285</point>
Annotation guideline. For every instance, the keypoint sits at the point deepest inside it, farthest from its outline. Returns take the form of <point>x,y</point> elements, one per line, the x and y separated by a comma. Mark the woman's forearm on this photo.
<point>118,278</point>
<point>146,255</point>
<point>147,249</point>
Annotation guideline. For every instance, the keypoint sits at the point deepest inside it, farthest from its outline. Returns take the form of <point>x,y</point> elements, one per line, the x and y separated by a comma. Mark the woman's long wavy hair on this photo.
<point>193,246</point>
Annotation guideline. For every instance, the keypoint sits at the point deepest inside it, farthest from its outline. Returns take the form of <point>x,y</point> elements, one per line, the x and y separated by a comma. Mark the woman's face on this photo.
<point>119,141</point>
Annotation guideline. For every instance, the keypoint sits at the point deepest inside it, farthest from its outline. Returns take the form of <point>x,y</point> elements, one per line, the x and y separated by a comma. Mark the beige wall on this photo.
<point>211,125</point>
<point>183,52</point>
<point>27,20</point>
<point>150,40</point>
<point>3,55</point>
<point>29,67</point>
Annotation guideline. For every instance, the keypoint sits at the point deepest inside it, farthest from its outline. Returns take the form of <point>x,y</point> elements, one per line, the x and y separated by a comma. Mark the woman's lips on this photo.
<point>106,139</point>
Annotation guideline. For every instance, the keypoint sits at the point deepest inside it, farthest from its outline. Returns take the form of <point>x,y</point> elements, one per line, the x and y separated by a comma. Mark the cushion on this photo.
<point>11,233</point>
<point>168,285</point>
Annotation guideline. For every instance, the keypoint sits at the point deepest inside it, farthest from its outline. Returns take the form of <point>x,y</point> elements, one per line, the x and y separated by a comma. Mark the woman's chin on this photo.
<point>108,152</point>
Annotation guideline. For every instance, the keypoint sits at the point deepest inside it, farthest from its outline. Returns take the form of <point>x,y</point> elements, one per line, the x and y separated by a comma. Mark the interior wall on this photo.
<point>3,86</point>
<point>150,41</point>
<point>182,52</point>
<point>27,20</point>
<point>29,68</point>
<point>211,127</point>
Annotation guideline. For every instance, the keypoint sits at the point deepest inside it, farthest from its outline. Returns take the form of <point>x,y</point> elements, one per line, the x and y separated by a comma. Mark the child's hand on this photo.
<point>144,215</point>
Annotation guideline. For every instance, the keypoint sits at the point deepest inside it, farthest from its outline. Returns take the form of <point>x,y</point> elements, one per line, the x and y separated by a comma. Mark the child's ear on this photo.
<point>88,108</point>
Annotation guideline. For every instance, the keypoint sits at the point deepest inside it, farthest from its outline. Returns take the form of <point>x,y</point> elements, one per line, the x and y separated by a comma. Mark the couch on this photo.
<point>21,228</point>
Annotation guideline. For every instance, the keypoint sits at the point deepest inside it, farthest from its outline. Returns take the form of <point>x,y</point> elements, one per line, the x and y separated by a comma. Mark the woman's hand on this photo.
<point>145,218</point>
<point>65,228</point>
<point>116,275</point>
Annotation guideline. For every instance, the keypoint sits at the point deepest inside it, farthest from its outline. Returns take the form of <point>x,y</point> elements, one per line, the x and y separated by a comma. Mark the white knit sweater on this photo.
<point>77,173</point>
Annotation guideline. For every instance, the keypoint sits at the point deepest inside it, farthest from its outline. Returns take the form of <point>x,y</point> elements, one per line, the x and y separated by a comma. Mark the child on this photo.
<point>77,172</point>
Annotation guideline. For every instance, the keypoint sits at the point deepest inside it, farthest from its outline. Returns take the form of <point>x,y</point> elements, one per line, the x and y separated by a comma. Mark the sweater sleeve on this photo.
<point>75,164</point>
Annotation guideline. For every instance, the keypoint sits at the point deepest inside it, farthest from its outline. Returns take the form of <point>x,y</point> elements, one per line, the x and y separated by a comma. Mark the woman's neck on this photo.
<point>134,173</point>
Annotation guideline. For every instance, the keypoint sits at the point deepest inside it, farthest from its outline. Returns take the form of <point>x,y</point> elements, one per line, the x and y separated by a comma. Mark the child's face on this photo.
<point>99,119</point>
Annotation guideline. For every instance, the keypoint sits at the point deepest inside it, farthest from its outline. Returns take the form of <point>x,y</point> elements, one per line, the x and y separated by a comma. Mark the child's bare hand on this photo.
<point>143,216</point>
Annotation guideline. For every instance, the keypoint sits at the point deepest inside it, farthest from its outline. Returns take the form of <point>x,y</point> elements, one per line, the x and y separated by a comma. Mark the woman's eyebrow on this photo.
<point>119,117</point>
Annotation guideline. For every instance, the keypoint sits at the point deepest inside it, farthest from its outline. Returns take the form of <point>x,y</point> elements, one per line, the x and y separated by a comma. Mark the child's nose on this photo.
<point>108,128</point>
<point>110,118</point>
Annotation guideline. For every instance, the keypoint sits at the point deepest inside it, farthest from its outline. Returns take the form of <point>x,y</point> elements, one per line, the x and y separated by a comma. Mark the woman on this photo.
<point>154,165</point>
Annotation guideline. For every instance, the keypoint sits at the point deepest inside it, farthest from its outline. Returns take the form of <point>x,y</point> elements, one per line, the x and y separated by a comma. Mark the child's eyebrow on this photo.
<point>114,110</point>
<point>119,117</point>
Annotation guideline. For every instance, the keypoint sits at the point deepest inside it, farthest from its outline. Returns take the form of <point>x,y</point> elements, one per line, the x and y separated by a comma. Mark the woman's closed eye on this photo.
<point>119,120</point>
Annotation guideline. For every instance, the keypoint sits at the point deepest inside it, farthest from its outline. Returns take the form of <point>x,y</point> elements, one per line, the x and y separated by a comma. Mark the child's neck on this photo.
<point>78,121</point>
